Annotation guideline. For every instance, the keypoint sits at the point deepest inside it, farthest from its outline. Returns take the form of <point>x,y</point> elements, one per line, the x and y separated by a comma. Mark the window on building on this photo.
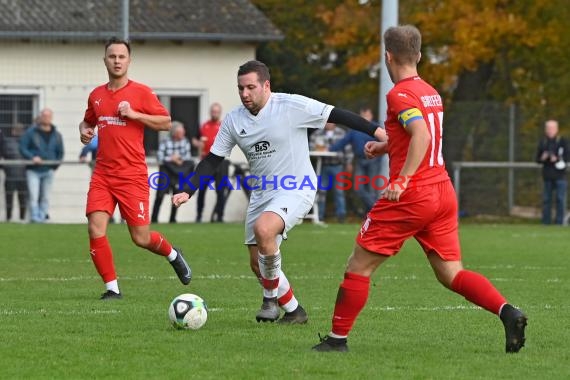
<point>16,109</point>
<point>185,109</point>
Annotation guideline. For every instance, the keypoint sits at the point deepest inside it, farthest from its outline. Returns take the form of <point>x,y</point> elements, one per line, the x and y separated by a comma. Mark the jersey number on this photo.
<point>432,126</point>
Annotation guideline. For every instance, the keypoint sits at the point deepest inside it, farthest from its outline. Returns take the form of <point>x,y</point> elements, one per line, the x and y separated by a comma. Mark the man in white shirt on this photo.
<point>271,130</point>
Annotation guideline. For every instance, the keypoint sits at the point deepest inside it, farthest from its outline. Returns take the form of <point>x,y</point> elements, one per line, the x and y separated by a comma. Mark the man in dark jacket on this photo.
<point>15,174</point>
<point>553,154</point>
<point>39,143</point>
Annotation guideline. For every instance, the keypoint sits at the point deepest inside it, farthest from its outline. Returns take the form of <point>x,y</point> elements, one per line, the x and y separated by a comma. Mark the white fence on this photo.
<point>69,194</point>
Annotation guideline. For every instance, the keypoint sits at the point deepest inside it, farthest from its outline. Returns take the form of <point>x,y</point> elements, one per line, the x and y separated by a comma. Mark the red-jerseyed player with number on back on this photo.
<point>420,202</point>
<point>120,110</point>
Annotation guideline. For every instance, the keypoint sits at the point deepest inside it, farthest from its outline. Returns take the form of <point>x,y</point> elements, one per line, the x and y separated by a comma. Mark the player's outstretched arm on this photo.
<point>356,122</point>
<point>205,170</point>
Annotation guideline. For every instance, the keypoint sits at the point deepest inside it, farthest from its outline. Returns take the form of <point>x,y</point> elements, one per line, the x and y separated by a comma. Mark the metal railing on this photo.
<point>511,166</point>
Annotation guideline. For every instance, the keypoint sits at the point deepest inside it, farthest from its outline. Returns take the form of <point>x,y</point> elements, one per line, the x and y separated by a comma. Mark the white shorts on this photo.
<point>290,206</point>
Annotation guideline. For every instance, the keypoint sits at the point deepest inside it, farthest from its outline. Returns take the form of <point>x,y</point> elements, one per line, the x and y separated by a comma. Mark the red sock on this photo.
<point>351,298</point>
<point>478,289</point>
<point>102,257</point>
<point>285,298</point>
<point>159,244</point>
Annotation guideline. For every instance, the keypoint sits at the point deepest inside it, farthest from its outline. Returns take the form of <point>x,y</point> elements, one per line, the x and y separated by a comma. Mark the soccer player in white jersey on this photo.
<point>271,130</point>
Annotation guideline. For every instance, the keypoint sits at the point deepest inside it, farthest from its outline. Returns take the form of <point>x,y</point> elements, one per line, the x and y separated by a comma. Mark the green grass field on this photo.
<point>52,324</point>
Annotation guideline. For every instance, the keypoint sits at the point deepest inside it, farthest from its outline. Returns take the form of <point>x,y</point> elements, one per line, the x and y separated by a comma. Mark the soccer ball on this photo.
<point>188,311</point>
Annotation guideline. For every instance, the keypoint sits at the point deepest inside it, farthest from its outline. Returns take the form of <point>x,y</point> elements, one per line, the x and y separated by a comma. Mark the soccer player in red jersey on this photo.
<point>120,110</point>
<point>420,202</point>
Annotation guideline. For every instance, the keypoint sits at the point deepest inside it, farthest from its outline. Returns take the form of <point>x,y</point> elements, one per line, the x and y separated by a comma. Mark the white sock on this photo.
<point>501,309</point>
<point>113,286</point>
<point>172,255</point>
<point>282,290</point>
<point>333,335</point>
<point>270,268</point>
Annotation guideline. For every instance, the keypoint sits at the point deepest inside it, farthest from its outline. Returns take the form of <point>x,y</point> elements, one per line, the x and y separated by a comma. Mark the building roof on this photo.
<point>207,20</point>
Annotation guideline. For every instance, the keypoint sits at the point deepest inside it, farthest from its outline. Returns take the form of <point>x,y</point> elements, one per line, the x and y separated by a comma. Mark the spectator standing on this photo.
<point>15,181</point>
<point>368,168</point>
<point>552,153</point>
<point>39,143</point>
<point>322,140</point>
<point>204,142</point>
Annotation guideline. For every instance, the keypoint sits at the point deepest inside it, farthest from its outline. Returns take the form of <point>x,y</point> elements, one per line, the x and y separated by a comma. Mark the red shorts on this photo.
<point>132,195</point>
<point>428,213</point>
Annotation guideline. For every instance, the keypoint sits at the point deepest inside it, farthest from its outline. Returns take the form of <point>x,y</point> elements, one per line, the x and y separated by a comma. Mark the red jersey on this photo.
<point>121,149</point>
<point>209,130</point>
<point>412,99</point>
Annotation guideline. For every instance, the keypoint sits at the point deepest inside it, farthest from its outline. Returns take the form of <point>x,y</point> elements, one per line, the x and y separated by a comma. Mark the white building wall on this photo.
<point>63,75</point>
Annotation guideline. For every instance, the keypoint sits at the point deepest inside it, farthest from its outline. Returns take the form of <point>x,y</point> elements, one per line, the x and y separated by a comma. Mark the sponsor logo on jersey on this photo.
<point>432,101</point>
<point>243,132</point>
<point>110,120</point>
<point>261,149</point>
<point>261,146</point>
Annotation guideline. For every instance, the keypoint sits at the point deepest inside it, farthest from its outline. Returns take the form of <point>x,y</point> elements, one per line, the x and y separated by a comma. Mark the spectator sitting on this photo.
<point>173,158</point>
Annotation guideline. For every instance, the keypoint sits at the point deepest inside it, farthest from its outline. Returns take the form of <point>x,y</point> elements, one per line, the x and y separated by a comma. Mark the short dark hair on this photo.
<point>404,43</point>
<point>119,41</point>
<point>255,67</point>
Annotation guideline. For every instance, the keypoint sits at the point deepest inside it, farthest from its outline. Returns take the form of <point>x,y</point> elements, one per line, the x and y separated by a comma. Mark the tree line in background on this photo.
<point>483,56</point>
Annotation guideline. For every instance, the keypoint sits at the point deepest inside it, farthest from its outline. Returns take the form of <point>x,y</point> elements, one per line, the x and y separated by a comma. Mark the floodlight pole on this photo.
<point>511,176</point>
<point>389,17</point>
<point>125,20</point>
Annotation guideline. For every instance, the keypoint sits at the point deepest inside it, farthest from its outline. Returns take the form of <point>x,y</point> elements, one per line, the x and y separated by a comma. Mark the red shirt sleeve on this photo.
<point>152,105</point>
<point>90,117</point>
<point>400,101</point>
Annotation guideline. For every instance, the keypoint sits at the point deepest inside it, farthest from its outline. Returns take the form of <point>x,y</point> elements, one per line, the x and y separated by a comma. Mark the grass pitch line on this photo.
<point>58,312</point>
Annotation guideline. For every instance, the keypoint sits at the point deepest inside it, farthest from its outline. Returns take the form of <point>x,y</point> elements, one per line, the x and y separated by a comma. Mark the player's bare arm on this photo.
<point>419,144</point>
<point>154,122</point>
<point>86,132</point>
<point>206,168</point>
<point>356,122</point>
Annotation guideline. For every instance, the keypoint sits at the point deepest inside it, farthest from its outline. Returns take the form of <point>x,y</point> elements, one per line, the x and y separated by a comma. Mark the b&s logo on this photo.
<point>260,150</point>
<point>261,146</point>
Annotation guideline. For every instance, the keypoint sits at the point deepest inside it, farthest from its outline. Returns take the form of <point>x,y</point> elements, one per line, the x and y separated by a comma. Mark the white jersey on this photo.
<point>275,141</point>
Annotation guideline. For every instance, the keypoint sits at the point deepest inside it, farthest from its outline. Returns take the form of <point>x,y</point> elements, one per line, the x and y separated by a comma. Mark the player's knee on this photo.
<point>140,240</point>
<point>95,231</point>
<point>263,232</point>
<point>364,262</point>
